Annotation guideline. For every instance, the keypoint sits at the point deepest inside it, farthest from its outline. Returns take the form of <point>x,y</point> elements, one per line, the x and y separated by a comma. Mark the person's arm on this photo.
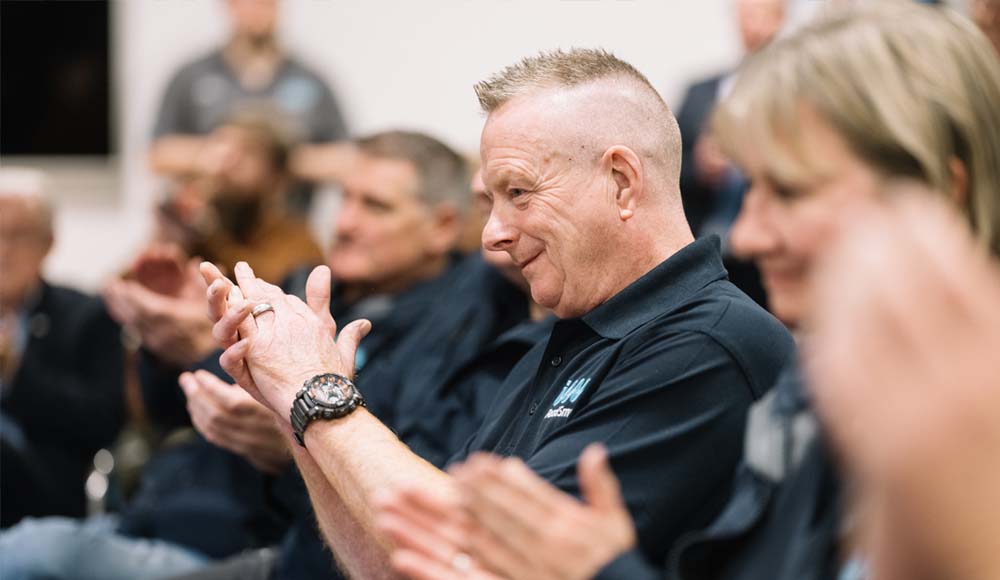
<point>175,146</point>
<point>177,154</point>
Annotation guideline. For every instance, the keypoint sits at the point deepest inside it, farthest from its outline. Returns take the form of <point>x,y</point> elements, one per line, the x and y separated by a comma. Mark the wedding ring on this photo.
<point>461,562</point>
<point>261,309</point>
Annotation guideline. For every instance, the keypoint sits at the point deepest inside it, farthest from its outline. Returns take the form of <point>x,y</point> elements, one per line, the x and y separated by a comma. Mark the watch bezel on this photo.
<point>306,408</point>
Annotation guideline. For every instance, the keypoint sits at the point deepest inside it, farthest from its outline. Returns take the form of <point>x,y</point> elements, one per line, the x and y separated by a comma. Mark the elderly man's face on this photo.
<point>24,243</point>
<point>385,234</point>
<point>550,211</point>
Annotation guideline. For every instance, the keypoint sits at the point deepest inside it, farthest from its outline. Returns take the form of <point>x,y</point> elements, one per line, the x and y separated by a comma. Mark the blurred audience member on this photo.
<point>234,207</point>
<point>401,215</point>
<point>711,186</point>
<point>61,396</point>
<point>903,369</point>
<point>250,69</point>
<point>818,135</point>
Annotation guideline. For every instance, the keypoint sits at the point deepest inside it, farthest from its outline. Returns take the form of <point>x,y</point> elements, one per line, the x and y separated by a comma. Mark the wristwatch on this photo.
<point>326,397</point>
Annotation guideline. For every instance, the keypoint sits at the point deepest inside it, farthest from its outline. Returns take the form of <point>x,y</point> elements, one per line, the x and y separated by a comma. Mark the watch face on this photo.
<point>330,394</point>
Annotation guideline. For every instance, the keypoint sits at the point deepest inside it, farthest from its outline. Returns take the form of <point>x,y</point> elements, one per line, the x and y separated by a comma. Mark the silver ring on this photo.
<point>461,562</point>
<point>261,309</point>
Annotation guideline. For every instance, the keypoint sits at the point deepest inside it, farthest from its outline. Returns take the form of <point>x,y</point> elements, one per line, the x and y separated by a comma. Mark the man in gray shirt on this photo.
<point>250,71</point>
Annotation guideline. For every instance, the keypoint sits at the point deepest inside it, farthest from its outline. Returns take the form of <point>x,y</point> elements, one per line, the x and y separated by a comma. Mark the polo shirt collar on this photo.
<point>660,290</point>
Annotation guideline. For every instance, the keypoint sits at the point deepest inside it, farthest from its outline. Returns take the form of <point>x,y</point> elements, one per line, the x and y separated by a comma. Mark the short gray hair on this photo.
<point>576,67</point>
<point>443,174</point>
<point>553,69</point>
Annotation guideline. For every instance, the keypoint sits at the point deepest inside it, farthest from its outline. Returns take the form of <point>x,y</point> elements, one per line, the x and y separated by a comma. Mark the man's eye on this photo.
<point>517,192</point>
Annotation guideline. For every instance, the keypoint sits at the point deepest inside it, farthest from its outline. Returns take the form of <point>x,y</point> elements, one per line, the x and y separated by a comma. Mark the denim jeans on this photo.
<point>56,548</point>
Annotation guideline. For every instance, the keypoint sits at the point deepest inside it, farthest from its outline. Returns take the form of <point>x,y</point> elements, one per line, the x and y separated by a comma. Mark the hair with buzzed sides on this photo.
<point>559,69</point>
<point>444,174</point>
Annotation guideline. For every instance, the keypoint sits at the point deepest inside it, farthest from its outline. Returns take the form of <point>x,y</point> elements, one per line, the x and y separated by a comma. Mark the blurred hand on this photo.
<point>273,354</point>
<point>902,363</point>
<point>165,269</point>
<point>229,417</point>
<point>174,328</point>
<point>511,523</point>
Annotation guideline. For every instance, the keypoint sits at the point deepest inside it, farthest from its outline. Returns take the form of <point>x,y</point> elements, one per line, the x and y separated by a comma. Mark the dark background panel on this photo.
<point>55,81</point>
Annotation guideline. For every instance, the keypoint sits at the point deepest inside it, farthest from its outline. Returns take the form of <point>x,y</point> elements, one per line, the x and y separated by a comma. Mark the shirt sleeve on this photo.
<point>629,566</point>
<point>675,465</point>
<point>329,120</point>
<point>174,116</point>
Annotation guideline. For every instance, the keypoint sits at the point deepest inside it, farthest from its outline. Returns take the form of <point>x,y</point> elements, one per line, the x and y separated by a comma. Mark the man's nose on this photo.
<point>498,234</point>
<point>348,218</point>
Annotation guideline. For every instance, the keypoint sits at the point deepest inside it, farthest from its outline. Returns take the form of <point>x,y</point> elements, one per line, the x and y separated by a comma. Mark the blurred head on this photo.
<point>759,21</point>
<point>401,212</point>
<point>25,233</point>
<point>252,150</point>
<point>255,20</point>
<point>581,161</point>
<point>986,15</point>
<point>832,115</point>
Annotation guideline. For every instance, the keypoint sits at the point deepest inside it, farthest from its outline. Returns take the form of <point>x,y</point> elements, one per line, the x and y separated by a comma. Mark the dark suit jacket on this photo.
<point>695,112</point>
<point>67,399</point>
<point>700,198</point>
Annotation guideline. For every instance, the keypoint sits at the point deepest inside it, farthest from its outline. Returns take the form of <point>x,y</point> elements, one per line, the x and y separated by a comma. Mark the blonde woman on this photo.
<point>823,122</point>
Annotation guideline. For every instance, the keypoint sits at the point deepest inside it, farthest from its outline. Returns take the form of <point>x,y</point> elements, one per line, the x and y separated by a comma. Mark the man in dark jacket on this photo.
<point>60,366</point>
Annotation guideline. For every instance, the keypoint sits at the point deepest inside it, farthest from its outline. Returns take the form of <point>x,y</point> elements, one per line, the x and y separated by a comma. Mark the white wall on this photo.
<point>394,63</point>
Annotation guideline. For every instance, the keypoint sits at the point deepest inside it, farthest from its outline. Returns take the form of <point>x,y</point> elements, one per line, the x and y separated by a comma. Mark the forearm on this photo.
<point>176,154</point>
<point>348,461</point>
<point>357,552</point>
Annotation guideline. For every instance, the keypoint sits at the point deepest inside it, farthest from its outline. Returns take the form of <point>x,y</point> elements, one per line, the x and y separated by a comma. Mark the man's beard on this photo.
<point>238,216</point>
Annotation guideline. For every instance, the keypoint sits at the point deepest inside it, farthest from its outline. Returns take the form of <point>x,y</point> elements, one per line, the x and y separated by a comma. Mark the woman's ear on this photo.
<point>959,192</point>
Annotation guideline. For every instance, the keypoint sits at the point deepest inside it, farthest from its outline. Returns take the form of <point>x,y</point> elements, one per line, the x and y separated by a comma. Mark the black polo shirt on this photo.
<point>440,417</point>
<point>663,374</point>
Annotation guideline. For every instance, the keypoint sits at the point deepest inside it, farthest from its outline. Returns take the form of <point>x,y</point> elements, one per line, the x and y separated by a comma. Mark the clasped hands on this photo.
<point>272,354</point>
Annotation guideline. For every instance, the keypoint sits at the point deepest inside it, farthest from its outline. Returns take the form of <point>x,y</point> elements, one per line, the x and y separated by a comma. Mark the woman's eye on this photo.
<point>786,193</point>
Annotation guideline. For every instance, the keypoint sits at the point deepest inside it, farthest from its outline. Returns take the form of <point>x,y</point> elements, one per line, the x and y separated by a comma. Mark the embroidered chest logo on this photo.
<point>568,396</point>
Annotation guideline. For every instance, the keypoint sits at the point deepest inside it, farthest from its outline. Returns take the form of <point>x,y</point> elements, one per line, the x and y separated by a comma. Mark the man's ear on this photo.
<point>626,182</point>
<point>446,226</point>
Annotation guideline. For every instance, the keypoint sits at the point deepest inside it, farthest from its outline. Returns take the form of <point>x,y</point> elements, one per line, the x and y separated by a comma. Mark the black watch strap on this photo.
<point>327,396</point>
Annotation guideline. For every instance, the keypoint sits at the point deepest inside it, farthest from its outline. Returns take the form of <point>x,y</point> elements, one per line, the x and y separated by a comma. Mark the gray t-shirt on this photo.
<point>205,92</point>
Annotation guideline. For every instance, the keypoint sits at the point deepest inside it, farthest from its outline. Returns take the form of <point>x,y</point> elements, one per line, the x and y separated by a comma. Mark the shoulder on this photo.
<point>64,299</point>
<point>71,309</point>
<point>706,85</point>
<point>721,319</point>
<point>192,69</point>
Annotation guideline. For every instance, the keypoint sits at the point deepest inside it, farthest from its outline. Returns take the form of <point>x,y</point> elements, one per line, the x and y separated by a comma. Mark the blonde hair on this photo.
<point>910,88</point>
